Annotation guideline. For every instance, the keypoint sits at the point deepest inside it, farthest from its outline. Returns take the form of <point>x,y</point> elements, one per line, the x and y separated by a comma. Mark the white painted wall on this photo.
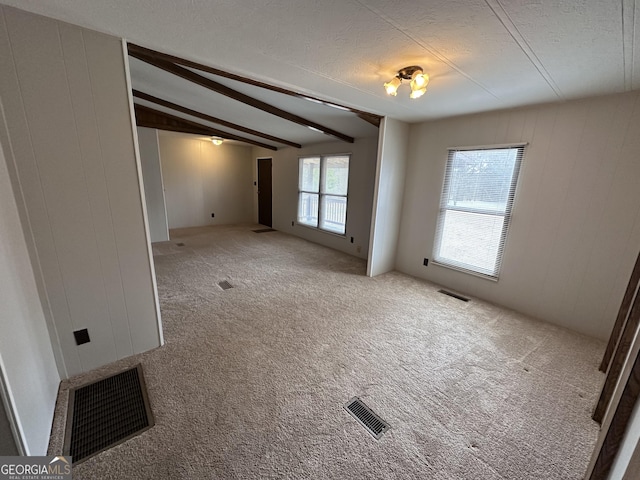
<point>26,357</point>
<point>389,189</point>
<point>575,231</point>
<point>201,178</point>
<point>153,185</point>
<point>362,169</point>
<point>70,130</point>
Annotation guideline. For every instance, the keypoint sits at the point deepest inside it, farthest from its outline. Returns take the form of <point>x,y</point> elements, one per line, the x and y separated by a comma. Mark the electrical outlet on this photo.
<point>213,215</point>
<point>425,262</point>
<point>81,336</point>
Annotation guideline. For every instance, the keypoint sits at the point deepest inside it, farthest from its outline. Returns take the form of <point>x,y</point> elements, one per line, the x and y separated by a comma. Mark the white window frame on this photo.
<point>321,194</point>
<point>444,207</point>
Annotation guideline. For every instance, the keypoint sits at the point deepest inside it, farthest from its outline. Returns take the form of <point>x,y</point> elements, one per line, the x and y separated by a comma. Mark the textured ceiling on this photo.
<point>481,54</point>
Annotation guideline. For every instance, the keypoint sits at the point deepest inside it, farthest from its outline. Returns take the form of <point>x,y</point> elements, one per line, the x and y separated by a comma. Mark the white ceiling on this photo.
<point>481,54</point>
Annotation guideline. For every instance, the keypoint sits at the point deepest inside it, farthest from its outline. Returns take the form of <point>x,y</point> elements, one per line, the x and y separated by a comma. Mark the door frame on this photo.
<point>621,389</point>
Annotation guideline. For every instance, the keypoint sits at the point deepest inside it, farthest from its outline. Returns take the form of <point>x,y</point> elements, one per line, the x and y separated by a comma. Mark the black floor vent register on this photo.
<point>106,413</point>
<point>454,295</point>
<point>365,416</point>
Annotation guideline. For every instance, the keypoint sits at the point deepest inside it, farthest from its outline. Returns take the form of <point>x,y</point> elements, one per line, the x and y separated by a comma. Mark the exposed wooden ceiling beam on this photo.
<point>149,117</point>
<point>375,119</point>
<point>241,97</point>
<point>170,128</point>
<point>372,119</point>
<point>204,116</point>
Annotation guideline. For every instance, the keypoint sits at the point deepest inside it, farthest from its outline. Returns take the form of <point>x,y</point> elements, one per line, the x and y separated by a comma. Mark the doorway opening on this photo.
<point>265,213</point>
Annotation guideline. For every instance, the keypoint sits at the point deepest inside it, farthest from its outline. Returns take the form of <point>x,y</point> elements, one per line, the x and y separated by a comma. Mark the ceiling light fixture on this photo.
<point>217,140</point>
<point>416,75</point>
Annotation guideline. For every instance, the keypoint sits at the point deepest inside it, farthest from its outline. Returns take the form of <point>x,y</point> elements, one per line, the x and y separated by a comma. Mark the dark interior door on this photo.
<point>264,192</point>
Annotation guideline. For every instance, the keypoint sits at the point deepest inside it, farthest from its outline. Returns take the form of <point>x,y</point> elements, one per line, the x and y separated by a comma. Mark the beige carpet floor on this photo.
<point>251,382</point>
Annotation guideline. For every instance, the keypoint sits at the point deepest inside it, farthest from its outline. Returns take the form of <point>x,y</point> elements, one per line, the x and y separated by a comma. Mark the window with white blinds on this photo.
<point>475,208</point>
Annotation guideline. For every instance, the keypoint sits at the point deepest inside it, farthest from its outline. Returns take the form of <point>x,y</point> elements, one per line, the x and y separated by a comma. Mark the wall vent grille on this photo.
<point>454,295</point>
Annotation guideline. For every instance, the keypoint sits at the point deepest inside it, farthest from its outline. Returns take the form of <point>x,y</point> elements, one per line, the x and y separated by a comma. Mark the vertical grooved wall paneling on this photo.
<point>575,231</point>
<point>387,203</point>
<point>69,124</point>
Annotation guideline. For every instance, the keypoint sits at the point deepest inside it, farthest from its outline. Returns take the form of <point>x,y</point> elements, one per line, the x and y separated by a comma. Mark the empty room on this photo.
<point>329,240</point>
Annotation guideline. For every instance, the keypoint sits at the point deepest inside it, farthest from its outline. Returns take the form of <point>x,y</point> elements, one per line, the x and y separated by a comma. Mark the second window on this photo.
<point>322,192</point>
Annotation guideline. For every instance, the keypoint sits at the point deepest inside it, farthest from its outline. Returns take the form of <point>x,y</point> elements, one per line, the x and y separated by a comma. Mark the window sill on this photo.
<point>464,270</point>
<point>318,229</point>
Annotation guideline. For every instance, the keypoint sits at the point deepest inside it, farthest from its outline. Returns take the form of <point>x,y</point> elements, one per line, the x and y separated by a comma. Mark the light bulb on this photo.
<point>418,93</point>
<point>392,86</point>
<point>217,140</point>
<point>419,80</point>
<point>418,84</point>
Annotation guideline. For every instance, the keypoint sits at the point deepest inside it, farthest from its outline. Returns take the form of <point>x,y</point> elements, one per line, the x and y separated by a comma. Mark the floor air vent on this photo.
<point>180,244</point>
<point>225,285</point>
<point>105,413</point>
<point>454,295</point>
<point>264,230</point>
<point>369,420</point>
